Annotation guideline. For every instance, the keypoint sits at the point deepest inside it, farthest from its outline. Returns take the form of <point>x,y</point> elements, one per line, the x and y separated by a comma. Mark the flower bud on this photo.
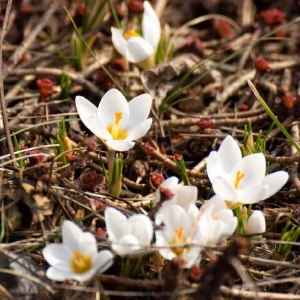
<point>256,223</point>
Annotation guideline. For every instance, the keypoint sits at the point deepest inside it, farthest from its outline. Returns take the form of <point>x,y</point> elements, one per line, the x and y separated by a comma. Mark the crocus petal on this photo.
<point>150,25</point>
<point>252,194</point>
<point>274,182</point>
<point>214,167</point>
<point>71,233</point>
<point>253,167</point>
<point>138,49</point>
<point>186,195</point>
<point>128,244</point>
<point>88,114</point>
<point>85,108</point>
<point>141,227</point>
<point>256,223</point>
<point>170,183</point>
<point>114,220</point>
<point>113,101</point>
<point>58,275</point>
<point>85,276</point>
<point>139,110</point>
<point>120,145</point>
<point>223,188</point>
<point>163,245</point>
<point>88,244</point>
<point>139,131</point>
<point>192,257</point>
<point>103,261</point>
<point>119,41</point>
<point>230,153</point>
<point>57,255</point>
<point>216,202</point>
<point>95,125</point>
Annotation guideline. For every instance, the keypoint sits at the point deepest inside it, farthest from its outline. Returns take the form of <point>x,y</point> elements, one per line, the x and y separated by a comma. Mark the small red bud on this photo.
<point>38,159</point>
<point>288,100</point>
<point>45,88</point>
<point>135,5</point>
<point>148,148</point>
<point>205,123</point>
<point>244,107</point>
<point>165,193</point>
<point>262,65</point>
<point>100,233</point>
<point>70,157</point>
<point>195,273</point>
<point>177,156</point>
<point>81,8</point>
<point>273,16</point>
<point>91,144</point>
<point>156,179</point>
<point>224,28</point>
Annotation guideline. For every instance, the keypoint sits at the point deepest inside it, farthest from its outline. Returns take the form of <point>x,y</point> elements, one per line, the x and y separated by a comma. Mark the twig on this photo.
<point>3,104</point>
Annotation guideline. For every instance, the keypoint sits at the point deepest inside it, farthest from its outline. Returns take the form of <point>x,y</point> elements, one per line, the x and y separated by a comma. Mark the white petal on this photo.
<point>192,257</point>
<point>256,223</point>
<point>71,233</point>
<point>85,276</point>
<point>275,182</point>
<point>58,275</point>
<point>163,246</point>
<point>138,49</point>
<point>186,195</point>
<point>170,183</point>
<point>120,145</point>
<point>230,153</point>
<point>113,101</point>
<point>127,245</point>
<point>223,188</point>
<point>253,167</point>
<point>114,220</point>
<point>217,202</point>
<point>252,194</point>
<point>141,227</point>
<point>103,261</point>
<point>88,114</point>
<point>150,25</point>
<point>57,255</point>
<point>139,110</point>
<point>118,41</point>
<point>139,131</point>
<point>214,167</point>
<point>95,125</point>
<point>88,244</point>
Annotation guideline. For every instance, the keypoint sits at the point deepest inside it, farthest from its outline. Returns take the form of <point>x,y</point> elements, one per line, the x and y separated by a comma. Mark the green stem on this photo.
<point>272,116</point>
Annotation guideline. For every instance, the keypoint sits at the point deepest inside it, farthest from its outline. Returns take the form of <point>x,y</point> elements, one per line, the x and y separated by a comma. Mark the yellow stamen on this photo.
<point>238,177</point>
<point>179,239</point>
<point>130,33</point>
<point>115,129</point>
<point>216,218</point>
<point>80,263</point>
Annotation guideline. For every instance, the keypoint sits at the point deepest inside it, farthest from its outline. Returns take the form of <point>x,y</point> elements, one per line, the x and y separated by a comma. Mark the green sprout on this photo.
<point>65,84</point>
<point>21,161</point>
<point>290,234</point>
<point>115,168</point>
<point>182,168</point>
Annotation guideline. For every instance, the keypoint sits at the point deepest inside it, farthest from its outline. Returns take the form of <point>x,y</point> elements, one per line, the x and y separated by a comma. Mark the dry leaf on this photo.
<point>161,79</point>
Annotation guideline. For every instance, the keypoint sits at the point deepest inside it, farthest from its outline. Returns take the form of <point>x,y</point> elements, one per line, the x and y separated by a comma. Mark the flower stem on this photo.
<point>115,168</point>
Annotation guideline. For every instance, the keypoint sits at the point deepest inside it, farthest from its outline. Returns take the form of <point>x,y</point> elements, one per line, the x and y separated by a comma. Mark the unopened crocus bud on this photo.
<point>156,179</point>
<point>262,65</point>
<point>273,16</point>
<point>288,100</point>
<point>67,143</point>
<point>135,5</point>
<point>45,88</point>
<point>256,223</point>
<point>177,156</point>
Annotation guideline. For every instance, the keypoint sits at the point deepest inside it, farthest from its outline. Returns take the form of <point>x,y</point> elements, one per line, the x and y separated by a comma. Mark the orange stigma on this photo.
<point>130,33</point>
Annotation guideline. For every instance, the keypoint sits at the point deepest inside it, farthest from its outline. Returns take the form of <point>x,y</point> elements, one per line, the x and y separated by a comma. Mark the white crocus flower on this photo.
<point>117,122</point>
<point>129,236</point>
<point>256,223</point>
<point>241,180</point>
<point>180,235</point>
<point>137,48</point>
<point>219,220</point>
<point>170,192</point>
<point>77,257</point>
